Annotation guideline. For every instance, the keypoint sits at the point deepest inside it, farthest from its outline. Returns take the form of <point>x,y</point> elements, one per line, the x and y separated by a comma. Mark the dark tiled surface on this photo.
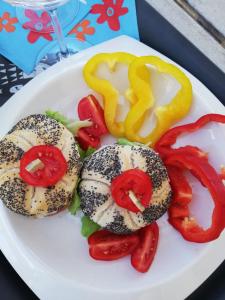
<point>159,34</point>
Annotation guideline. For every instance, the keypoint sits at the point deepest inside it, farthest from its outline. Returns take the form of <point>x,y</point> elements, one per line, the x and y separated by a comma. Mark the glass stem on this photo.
<point>58,31</point>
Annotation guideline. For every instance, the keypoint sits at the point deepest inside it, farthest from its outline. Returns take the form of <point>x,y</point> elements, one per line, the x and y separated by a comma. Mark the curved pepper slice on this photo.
<point>179,214</point>
<point>106,89</point>
<point>166,115</point>
<point>164,145</point>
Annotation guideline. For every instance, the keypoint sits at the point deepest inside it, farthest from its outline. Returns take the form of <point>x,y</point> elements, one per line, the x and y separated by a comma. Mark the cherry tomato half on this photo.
<point>143,255</point>
<point>135,181</point>
<point>86,140</point>
<point>104,245</point>
<point>53,169</point>
<point>89,108</point>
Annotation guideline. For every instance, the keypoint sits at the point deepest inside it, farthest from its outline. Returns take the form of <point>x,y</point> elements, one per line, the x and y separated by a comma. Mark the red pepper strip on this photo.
<point>179,215</point>
<point>222,173</point>
<point>163,146</point>
<point>182,192</point>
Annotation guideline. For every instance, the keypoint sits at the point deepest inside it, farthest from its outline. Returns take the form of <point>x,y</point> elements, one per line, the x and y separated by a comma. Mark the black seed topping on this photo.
<point>155,167</point>
<point>91,200</point>
<point>154,212</point>
<point>9,152</point>
<point>12,193</point>
<point>57,199</point>
<point>104,162</point>
<point>74,161</point>
<point>118,226</point>
<point>48,129</point>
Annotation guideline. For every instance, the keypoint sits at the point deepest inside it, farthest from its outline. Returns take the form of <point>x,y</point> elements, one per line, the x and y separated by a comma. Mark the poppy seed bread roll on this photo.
<point>21,197</point>
<point>97,174</point>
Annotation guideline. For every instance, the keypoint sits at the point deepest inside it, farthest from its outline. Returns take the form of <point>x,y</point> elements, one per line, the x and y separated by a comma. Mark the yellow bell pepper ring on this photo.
<point>106,89</point>
<point>166,115</point>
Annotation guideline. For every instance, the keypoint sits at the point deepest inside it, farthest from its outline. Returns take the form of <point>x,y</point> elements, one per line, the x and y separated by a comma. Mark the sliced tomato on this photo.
<point>87,140</point>
<point>135,181</point>
<point>98,236</point>
<point>105,245</point>
<point>89,108</point>
<point>143,255</point>
<point>53,168</point>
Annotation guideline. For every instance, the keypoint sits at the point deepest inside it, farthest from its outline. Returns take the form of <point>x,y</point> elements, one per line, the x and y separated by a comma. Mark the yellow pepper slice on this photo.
<point>166,115</point>
<point>106,89</point>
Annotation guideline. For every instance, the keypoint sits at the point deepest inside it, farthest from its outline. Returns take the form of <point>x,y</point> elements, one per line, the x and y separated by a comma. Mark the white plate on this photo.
<point>50,254</point>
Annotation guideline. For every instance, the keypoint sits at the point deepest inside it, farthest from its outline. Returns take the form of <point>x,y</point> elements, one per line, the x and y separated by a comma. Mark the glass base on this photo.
<point>51,54</point>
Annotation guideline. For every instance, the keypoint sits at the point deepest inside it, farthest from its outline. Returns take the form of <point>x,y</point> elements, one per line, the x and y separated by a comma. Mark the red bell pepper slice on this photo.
<point>164,145</point>
<point>182,192</point>
<point>179,214</point>
<point>222,174</point>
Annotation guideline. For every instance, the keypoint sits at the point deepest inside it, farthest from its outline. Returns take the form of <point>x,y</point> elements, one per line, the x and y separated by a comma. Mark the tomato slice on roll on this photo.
<point>43,165</point>
<point>132,190</point>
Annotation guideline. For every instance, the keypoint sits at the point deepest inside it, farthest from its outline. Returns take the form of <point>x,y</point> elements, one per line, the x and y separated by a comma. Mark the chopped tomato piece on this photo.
<point>98,236</point>
<point>51,169</point>
<point>89,108</point>
<point>87,140</point>
<point>104,245</point>
<point>132,190</point>
<point>143,255</point>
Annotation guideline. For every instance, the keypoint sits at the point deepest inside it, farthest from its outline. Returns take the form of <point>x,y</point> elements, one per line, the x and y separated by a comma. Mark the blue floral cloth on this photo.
<point>26,36</point>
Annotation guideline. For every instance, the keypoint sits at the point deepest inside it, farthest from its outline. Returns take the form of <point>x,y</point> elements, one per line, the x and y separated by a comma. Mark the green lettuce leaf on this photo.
<point>75,204</point>
<point>72,126</point>
<point>88,226</point>
<point>81,152</point>
<point>124,142</point>
<point>89,151</point>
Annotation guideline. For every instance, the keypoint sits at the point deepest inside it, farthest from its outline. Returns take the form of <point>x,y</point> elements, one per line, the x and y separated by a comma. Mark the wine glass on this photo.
<point>51,6</point>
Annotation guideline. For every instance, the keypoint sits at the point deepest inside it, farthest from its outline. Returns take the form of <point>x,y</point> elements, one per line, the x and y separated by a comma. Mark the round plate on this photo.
<point>51,255</point>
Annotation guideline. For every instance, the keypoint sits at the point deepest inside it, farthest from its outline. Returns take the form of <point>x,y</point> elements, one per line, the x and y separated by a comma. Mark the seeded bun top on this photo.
<point>14,192</point>
<point>97,174</point>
